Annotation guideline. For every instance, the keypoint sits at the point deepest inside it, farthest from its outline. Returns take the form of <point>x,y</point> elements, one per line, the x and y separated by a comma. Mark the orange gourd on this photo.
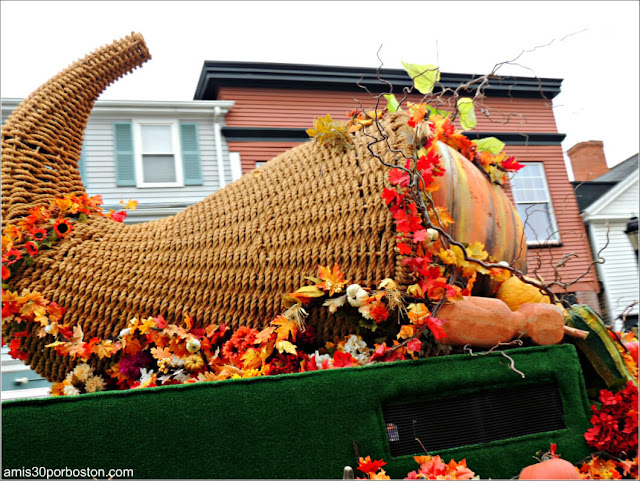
<point>485,322</point>
<point>554,468</point>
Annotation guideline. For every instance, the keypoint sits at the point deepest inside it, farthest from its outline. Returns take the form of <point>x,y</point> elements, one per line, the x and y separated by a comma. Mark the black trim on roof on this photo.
<point>215,74</point>
<point>271,134</point>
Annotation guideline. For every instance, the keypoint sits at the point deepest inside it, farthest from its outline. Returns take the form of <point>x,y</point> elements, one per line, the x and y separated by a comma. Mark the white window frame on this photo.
<point>177,151</point>
<point>548,240</point>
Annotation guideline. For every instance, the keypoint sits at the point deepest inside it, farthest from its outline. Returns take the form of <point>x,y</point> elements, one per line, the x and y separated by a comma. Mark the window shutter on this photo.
<point>191,167</point>
<point>82,166</point>
<point>123,150</point>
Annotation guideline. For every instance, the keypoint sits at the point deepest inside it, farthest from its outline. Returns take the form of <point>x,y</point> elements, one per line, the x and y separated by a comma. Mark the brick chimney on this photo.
<point>588,160</point>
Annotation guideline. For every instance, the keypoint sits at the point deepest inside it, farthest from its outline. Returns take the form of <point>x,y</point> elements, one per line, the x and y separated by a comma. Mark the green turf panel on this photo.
<point>290,426</point>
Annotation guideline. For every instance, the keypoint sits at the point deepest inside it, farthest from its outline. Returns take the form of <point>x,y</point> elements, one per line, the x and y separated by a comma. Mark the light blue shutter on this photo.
<point>82,166</point>
<point>123,149</point>
<point>191,167</point>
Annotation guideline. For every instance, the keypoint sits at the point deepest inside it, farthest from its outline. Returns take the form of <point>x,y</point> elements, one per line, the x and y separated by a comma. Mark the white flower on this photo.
<point>71,390</point>
<point>125,332</point>
<point>354,345</point>
<point>333,304</point>
<point>504,264</point>
<point>356,295</point>
<point>48,328</point>
<point>145,375</point>
<point>320,358</point>
<point>193,345</point>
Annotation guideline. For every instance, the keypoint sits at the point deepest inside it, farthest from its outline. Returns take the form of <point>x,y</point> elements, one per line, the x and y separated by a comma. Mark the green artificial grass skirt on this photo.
<point>289,426</point>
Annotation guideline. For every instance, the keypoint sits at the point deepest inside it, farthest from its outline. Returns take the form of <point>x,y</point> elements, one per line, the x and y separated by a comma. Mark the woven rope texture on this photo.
<point>42,139</point>
<point>227,259</point>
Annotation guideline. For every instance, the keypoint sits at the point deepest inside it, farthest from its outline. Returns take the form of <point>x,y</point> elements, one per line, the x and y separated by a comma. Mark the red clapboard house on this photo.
<point>276,103</point>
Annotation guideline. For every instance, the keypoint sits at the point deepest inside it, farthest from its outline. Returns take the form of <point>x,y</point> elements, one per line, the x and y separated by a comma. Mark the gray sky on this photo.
<point>593,46</point>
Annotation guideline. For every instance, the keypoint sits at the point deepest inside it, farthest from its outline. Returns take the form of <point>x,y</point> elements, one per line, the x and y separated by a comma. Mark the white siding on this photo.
<point>101,176</point>
<point>626,203</point>
<point>619,273</point>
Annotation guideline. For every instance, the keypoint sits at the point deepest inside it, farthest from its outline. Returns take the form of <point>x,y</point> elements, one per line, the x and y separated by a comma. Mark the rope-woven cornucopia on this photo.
<point>227,259</point>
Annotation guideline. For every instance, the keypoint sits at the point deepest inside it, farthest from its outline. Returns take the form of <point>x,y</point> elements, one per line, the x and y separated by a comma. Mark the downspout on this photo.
<point>218,135</point>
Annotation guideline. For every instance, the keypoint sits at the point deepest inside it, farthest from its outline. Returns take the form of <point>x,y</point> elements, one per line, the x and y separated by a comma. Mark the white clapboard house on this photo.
<point>165,155</point>
<point>609,205</point>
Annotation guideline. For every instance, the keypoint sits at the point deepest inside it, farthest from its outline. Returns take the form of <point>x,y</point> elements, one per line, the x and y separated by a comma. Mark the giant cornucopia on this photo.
<point>387,237</point>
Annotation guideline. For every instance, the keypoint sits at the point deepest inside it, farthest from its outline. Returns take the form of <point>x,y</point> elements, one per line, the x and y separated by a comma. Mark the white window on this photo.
<point>533,201</point>
<point>157,153</point>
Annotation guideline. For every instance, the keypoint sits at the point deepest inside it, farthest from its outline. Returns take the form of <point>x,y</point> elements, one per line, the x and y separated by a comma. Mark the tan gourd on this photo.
<point>515,293</point>
<point>485,322</point>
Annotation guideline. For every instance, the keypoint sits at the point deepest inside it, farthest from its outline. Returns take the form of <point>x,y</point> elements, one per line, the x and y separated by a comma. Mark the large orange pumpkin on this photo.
<point>481,210</point>
<point>554,468</point>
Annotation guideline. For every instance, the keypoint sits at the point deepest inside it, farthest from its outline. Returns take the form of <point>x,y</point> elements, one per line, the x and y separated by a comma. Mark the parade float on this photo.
<point>362,302</point>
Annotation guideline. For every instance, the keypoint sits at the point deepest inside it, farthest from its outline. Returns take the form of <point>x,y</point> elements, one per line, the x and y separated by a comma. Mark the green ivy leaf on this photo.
<point>424,76</point>
<point>29,261</point>
<point>489,144</point>
<point>392,103</point>
<point>82,218</point>
<point>467,113</point>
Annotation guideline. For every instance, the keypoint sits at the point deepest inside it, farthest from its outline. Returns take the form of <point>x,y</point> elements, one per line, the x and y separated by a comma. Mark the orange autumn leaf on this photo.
<point>160,353</point>
<point>333,279</point>
<point>104,349</point>
<point>132,346</point>
<point>406,331</point>
<point>264,335</point>
<point>285,327</point>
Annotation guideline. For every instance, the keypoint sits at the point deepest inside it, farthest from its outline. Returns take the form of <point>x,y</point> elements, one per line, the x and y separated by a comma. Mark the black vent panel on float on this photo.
<point>478,417</point>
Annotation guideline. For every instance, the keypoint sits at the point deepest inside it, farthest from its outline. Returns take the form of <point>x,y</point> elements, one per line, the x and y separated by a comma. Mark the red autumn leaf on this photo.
<point>420,235</point>
<point>510,163</point>
<point>404,248</point>
<point>368,466</point>
<point>343,359</point>
<point>119,216</point>
<point>398,177</point>
<point>161,322</point>
<point>435,325</point>
<point>389,195</point>
<point>414,345</point>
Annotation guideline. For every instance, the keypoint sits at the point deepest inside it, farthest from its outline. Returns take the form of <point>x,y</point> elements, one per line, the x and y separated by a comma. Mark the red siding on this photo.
<point>297,109</point>
<point>252,152</point>
<point>573,235</point>
<point>283,108</point>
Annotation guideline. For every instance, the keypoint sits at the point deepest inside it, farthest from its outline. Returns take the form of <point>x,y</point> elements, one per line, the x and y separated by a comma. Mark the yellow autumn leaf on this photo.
<point>130,204</point>
<point>286,346</point>
<point>447,256</point>
<point>251,359</point>
<point>476,250</point>
<point>310,291</point>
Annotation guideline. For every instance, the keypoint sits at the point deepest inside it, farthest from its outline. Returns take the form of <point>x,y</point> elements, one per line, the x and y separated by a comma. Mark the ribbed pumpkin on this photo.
<point>550,469</point>
<point>481,210</point>
<point>515,292</point>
